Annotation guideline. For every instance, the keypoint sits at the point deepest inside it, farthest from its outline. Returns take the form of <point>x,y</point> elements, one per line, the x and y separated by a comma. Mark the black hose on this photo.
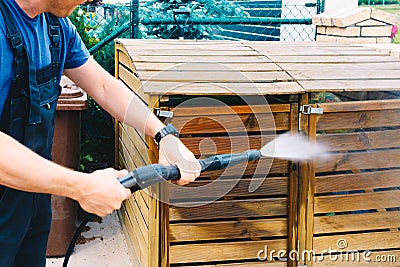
<point>145,176</point>
<point>88,218</point>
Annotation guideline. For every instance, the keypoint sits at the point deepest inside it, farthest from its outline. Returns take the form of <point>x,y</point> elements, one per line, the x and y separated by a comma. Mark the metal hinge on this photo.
<point>307,110</point>
<point>164,113</point>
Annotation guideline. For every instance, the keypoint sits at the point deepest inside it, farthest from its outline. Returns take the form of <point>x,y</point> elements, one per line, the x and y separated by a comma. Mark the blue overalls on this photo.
<point>28,117</point>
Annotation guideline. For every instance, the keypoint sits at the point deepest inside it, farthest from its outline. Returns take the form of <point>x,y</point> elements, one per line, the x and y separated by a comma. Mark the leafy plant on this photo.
<point>200,9</point>
<point>97,125</point>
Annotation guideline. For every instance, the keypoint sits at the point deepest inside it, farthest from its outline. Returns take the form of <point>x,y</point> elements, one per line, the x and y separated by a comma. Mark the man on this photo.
<point>38,44</point>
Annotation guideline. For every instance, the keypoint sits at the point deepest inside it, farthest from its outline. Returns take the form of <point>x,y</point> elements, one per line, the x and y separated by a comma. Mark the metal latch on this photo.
<point>164,113</point>
<point>307,110</point>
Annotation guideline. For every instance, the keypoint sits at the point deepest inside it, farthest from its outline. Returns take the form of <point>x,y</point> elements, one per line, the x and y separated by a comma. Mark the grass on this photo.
<point>394,9</point>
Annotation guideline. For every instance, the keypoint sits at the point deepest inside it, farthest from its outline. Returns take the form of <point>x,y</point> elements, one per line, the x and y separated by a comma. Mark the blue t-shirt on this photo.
<point>36,39</point>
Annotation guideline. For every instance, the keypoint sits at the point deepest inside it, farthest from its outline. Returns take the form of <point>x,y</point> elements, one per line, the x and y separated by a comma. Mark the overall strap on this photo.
<point>20,63</point>
<point>53,25</point>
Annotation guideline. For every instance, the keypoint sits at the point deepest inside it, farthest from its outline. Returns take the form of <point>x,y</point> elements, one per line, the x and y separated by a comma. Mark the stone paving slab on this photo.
<point>104,246</point>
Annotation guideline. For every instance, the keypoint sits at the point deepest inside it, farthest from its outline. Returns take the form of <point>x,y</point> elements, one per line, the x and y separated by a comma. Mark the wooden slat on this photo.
<point>131,232</point>
<point>228,230</point>
<point>231,209</point>
<point>363,241</point>
<point>357,222</point>
<point>189,52</point>
<point>229,110</point>
<point>133,83</point>
<point>360,160</point>
<point>218,76</point>
<point>137,220</point>
<point>318,51</point>
<point>344,74</point>
<point>124,58</point>
<point>359,119</point>
<point>360,140</point>
<point>225,145</point>
<point>352,202</point>
<point>179,88</point>
<point>350,85</point>
<point>258,169</point>
<point>136,140</point>
<point>142,207</point>
<point>132,149</point>
<point>128,159</point>
<point>230,123</point>
<point>270,186</point>
<point>208,67</point>
<point>368,105</point>
<point>209,252</point>
<point>342,66</point>
<point>200,58</point>
<point>358,181</point>
<point>331,59</point>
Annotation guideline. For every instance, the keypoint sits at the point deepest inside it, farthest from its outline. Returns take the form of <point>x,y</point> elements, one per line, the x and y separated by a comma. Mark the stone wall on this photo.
<point>363,25</point>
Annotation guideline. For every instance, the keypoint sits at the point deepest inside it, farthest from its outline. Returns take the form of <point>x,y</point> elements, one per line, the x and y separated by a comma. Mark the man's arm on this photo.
<point>125,106</point>
<point>22,169</point>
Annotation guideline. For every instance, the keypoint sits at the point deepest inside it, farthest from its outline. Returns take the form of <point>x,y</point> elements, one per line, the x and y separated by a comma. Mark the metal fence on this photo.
<point>259,20</point>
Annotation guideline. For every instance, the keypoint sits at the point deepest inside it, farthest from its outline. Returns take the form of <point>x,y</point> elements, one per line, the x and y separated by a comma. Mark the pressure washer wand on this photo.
<point>145,176</point>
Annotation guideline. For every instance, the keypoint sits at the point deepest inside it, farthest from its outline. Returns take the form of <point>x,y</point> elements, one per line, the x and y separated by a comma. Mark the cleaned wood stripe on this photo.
<point>362,201</point>
<point>357,222</point>
<point>358,181</point>
<point>210,252</point>
<point>231,209</point>
<point>365,241</point>
<point>367,105</point>
<point>360,140</point>
<point>360,161</point>
<point>228,230</point>
<point>359,119</point>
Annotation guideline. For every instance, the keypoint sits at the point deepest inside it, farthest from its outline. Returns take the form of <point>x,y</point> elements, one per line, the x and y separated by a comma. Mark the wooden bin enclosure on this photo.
<point>215,93</point>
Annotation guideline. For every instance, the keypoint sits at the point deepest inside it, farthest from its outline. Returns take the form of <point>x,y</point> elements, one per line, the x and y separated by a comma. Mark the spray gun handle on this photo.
<point>145,176</point>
